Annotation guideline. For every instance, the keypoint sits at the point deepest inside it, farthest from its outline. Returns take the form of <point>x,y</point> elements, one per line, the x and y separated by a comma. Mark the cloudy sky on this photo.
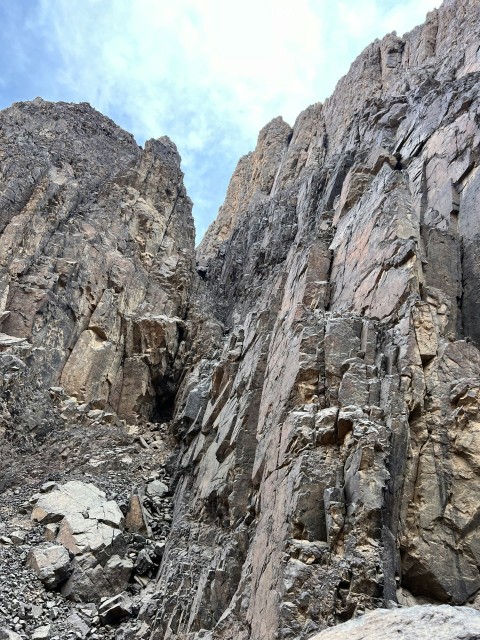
<point>207,73</point>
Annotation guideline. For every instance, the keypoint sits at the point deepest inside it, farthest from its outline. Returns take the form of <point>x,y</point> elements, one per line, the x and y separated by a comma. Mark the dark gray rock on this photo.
<point>51,563</point>
<point>115,609</point>
<point>91,581</point>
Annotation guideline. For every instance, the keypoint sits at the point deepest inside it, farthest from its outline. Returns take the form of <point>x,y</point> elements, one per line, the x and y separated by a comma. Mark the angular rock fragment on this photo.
<point>42,633</point>
<point>18,536</point>
<point>76,623</point>
<point>87,525</point>
<point>115,609</point>
<point>91,581</point>
<point>51,563</point>
<point>73,497</point>
<point>83,535</point>
<point>157,488</point>
<point>8,634</point>
<point>136,519</point>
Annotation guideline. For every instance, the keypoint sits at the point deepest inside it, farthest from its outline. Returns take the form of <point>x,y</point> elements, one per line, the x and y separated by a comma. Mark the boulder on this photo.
<point>18,536</point>
<point>83,535</point>
<point>90,581</point>
<point>51,563</point>
<point>7,634</point>
<point>412,623</point>
<point>78,516</point>
<point>42,633</point>
<point>71,498</point>
<point>75,623</point>
<point>157,488</point>
<point>115,609</point>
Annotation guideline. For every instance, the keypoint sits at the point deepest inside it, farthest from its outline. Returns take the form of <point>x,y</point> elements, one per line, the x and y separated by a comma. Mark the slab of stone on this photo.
<point>41,633</point>
<point>8,634</point>
<point>115,609</point>
<point>72,497</point>
<point>10,341</point>
<point>83,535</point>
<point>109,513</point>
<point>76,623</point>
<point>18,536</point>
<point>412,623</point>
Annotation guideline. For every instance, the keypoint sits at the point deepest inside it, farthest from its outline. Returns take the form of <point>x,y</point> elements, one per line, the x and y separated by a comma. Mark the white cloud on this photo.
<point>210,73</point>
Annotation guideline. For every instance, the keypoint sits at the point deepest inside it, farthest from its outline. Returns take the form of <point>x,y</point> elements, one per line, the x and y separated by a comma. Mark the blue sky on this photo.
<point>207,73</point>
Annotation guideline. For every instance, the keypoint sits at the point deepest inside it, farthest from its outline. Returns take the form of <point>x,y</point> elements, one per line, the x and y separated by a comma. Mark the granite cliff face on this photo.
<point>95,267</point>
<point>319,367</point>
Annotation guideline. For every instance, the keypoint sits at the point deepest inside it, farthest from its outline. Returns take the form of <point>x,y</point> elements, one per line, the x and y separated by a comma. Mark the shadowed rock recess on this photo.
<point>281,432</point>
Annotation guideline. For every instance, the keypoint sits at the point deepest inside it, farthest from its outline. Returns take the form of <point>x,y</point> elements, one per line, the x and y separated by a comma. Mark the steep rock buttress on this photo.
<point>96,256</point>
<point>329,463</point>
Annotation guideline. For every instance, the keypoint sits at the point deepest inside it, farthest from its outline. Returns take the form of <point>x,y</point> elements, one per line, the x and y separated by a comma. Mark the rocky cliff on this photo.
<point>316,373</point>
<point>96,252</point>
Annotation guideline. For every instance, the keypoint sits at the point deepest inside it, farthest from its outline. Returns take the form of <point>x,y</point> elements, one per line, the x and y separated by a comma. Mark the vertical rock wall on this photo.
<point>328,457</point>
<point>96,256</point>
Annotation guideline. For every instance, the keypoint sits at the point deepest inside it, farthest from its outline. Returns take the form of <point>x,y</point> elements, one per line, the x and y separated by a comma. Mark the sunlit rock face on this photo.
<point>317,361</point>
<point>328,456</point>
<point>96,254</point>
<point>411,623</point>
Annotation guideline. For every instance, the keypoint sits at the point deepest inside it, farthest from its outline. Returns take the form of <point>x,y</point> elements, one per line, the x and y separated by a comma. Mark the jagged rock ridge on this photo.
<point>321,370</point>
<point>329,471</point>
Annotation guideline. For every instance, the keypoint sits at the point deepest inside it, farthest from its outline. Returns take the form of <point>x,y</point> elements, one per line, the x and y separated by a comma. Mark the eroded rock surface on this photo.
<point>292,430</point>
<point>96,255</point>
<point>97,261</point>
<point>333,458</point>
<point>414,623</point>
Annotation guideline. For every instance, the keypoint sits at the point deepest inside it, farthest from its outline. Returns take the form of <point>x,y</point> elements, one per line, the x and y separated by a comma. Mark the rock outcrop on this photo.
<point>314,384</point>
<point>414,623</point>
<point>96,255</point>
<point>97,267</point>
<point>333,459</point>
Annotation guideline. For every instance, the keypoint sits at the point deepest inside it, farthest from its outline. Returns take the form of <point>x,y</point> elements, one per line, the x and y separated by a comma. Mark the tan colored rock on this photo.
<point>333,459</point>
<point>321,377</point>
<point>253,180</point>
<point>113,253</point>
<point>82,535</point>
<point>135,519</point>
